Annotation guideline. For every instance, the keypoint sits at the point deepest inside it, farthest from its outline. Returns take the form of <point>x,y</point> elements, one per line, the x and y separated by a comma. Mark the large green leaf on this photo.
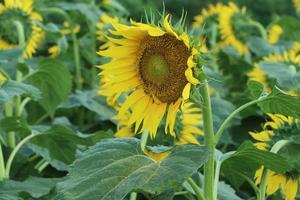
<point>281,103</point>
<point>10,54</point>
<point>247,159</point>
<point>291,27</point>
<point>35,186</point>
<point>113,168</point>
<point>11,89</point>
<point>54,80</point>
<point>58,145</point>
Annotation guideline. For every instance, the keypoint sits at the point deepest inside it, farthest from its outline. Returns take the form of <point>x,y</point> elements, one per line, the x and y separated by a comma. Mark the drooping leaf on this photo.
<point>281,103</point>
<point>247,159</point>
<point>58,145</point>
<point>10,89</point>
<point>113,168</point>
<point>54,81</point>
<point>35,186</point>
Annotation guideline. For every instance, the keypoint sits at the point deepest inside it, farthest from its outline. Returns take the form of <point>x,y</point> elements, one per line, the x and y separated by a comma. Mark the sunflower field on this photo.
<point>149,100</point>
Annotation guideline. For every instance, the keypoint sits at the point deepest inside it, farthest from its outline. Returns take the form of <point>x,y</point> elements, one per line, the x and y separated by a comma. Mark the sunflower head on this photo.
<point>236,27</point>
<point>281,127</point>
<point>12,11</point>
<point>154,67</point>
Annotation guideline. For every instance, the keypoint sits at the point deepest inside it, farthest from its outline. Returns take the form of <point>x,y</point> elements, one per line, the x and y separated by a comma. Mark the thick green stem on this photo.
<point>232,115</point>
<point>260,27</point>
<point>263,184</point>
<point>196,189</point>
<point>144,139</point>
<point>77,61</point>
<point>216,182</point>
<point>208,138</point>
<point>133,196</point>
<point>14,152</point>
<point>2,165</point>
<point>8,107</point>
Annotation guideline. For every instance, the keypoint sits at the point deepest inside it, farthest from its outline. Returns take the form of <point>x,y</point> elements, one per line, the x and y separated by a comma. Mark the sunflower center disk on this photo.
<point>162,62</point>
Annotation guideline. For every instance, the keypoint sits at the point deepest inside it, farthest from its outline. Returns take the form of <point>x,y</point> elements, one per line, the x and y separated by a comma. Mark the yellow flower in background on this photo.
<point>2,77</point>
<point>290,57</point>
<point>274,33</point>
<point>157,156</point>
<point>154,67</point>
<point>227,27</point>
<point>278,128</point>
<point>297,4</point>
<point>22,11</point>
<point>211,11</point>
<point>102,30</point>
<point>67,29</point>
<point>54,51</point>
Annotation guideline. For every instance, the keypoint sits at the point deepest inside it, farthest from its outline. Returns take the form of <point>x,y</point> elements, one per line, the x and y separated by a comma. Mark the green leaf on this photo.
<point>256,88</point>
<point>261,47</point>
<point>54,80</point>
<point>11,89</point>
<point>286,75</point>
<point>281,103</point>
<point>35,186</point>
<point>113,168</point>
<point>10,54</point>
<point>225,192</point>
<point>58,145</point>
<point>14,124</point>
<point>247,159</point>
<point>291,27</point>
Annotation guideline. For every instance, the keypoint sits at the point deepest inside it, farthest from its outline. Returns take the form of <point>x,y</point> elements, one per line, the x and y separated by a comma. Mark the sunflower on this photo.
<point>274,33</point>
<point>153,66</point>
<point>297,5</point>
<point>229,18</point>
<point>280,127</point>
<point>22,11</point>
<point>290,57</point>
<point>208,17</point>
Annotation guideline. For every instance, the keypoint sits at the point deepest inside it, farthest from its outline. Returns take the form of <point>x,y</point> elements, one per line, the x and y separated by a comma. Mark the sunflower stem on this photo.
<point>196,189</point>
<point>77,61</point>
<point>14,152</point>
<point>2,165</point>
<point>264,180</point>
<point>8,107</point>
<point>232,115</point>
<point>144,139</point>
<point>133,196</point>
<point>209,167</point>
<point>260,27</point>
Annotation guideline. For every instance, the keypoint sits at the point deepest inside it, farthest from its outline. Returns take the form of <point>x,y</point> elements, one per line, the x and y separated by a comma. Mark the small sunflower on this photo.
<point>208,17</point>
<point>153,66</point>
<point>290,57</point>
<point>280,127</point>
<point>22,11</point>
<point>274,33</point>
<point>297,5</point>
<point>232,19</point>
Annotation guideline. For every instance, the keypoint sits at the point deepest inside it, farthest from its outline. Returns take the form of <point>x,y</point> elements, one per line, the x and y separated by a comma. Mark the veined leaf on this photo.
<point>281,103</point>
<point>35,186</point>
<point>113,168</point>
<point>247,159</point>
<point>54,81</point>
<point>256,88</point>
<point>58,145</point>
<point>11,89</point>
<point>10,54</point>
